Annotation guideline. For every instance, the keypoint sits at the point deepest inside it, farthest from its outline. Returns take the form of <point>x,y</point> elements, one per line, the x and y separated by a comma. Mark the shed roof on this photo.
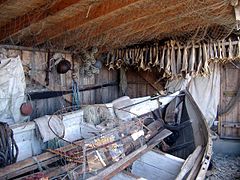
<point>63,24</point>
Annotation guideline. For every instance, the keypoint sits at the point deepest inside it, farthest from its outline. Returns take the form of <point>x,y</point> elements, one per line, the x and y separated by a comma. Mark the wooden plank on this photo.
<point>95,11</point>
<point>124,19</point>
<point>32,17</point>
<point>124,176</point>
<point>189,163</point>
<point>29,164</point>
<point>155,165</point>
<point>150,79</point>
<point>196,167</point>
<point>129,159</point>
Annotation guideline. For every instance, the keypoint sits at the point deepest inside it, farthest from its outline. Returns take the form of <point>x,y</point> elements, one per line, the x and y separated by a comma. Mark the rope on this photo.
<point>38,163</point>
<point>8,146</point>
<point>75,95</point>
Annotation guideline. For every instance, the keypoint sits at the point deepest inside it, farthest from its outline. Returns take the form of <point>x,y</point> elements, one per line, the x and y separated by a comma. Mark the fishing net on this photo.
<point>139,22</point>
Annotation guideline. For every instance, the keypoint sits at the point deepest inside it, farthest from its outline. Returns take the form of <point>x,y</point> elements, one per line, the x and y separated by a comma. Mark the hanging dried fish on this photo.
<point>150,62</point>
<point>137,54</point>
<point>179,59</point>
<point>131,56</point>
<point>215,51</point>
<point>220,50</point>
<point>230,50</point>
<point>192,60</point>
<point>173,60</point>
<point>127,56</point>
<point>111,64</point>
<point>108,59</point>
<point>141,57</point>
<point>162,58</point>
<point>156,62</point>
<point>199,62</point>
<point>184,69</point>
<point>224,52</point>
<point>168,61</point>
<point>147,59</point>
<point>205,60</point>
<point>119,61</point>
<point>211,51</point>
<point>238,49</point>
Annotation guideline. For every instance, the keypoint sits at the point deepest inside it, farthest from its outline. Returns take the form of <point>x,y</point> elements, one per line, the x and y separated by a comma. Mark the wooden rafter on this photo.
<point>32,17</point>
<point>137,19</point>
<point>126,17</point>
<point>94,12</point>
<point>156,21</point>
<point>2,2</point>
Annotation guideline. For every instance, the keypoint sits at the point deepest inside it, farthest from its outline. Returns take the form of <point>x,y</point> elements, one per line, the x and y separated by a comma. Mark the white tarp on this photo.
<point>12,88</point>
<point>204,90</point>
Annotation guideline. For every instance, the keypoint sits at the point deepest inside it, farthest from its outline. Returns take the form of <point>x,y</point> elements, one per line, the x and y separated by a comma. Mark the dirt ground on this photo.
<point>225,167</point>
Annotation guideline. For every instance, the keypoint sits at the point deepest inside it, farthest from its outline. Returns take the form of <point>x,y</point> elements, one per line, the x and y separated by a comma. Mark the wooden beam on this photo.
<point>2,2</point>
<point>117,20</point>
<point>158,20</point>
<point>29,164</point>
<point>93,12</point>
<point>129,21</point>
<point>32,17</point>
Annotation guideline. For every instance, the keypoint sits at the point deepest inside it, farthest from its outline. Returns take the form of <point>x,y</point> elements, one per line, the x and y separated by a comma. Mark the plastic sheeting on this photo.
<point>204,90</point>
<point>12,88</point>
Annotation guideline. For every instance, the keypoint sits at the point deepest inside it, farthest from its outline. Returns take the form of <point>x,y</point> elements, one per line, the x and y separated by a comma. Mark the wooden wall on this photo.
<point>138,86</point>
<point>35,64</point>
<point>229,126</point>
<point>35,79</point>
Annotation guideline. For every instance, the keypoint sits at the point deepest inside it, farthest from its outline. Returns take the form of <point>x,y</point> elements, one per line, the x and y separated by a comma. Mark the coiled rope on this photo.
<point>8,146</point>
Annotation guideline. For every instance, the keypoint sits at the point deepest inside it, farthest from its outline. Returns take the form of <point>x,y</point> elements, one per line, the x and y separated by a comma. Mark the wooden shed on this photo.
<point>62,56</point>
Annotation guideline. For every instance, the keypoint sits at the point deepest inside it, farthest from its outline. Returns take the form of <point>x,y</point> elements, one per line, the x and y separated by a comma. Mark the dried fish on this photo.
<point>108,58</point>
<point>137,54</point>
<point>131,56</point>
<point>141,57</point>
<point>224,52</point>
<point>111,64</point>
<point>173,60</point>
<point>211,51</point>
<point>179,59</point>
<point>230,50</point>
<point>238,50</point>
<point>185,61</point>
<point>147,59</point>
<point>220,50</point>
<point>119,61</point>
<point>215,51</point>
<point>192,60</point>
<point>156,62</point>
<point>126,56</point>
<point>163,57</point>
<point>168,61</point>
<point>199,63</point>
<point>150,56</point>
<point>205,60</point>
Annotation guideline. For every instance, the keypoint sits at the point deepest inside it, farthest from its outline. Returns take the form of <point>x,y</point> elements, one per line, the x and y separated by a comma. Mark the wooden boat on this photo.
<point>180,148</point>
